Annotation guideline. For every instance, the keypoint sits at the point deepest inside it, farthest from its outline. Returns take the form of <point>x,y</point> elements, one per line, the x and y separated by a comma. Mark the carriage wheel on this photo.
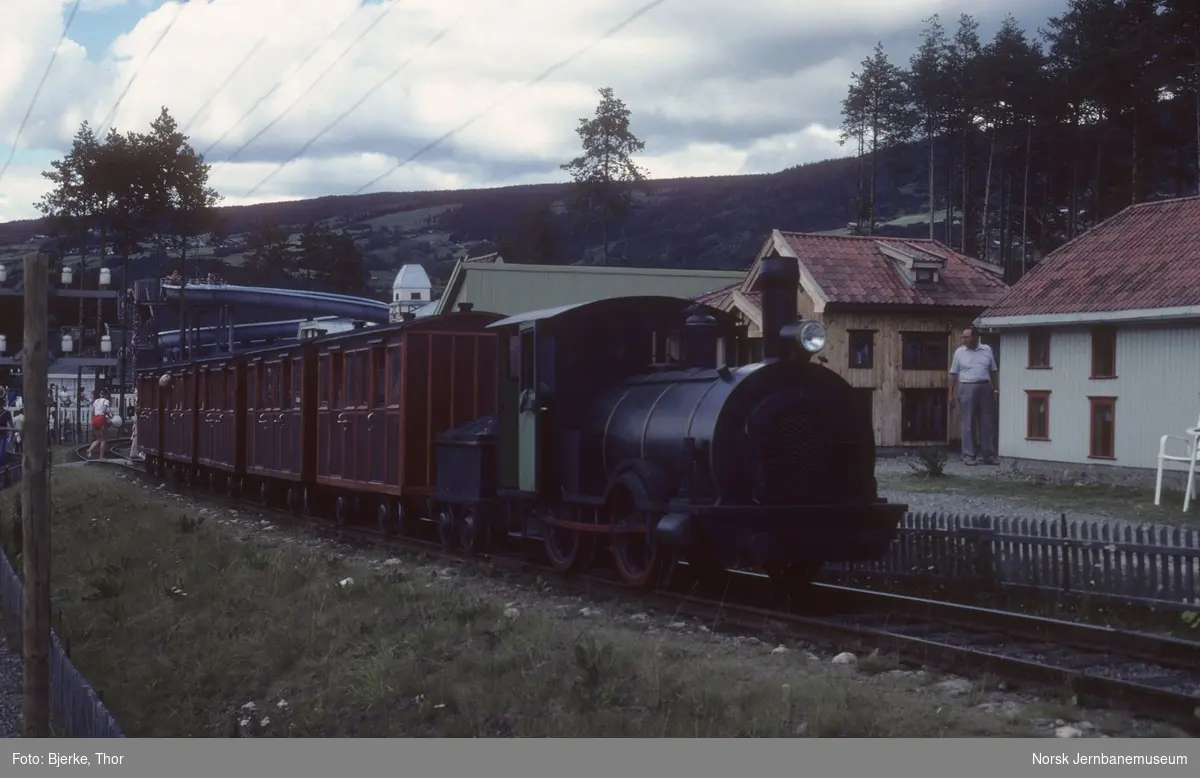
<point>294,502</point>
<point>446,525</point>
<point>474,534</point>
<point>637,559</point>
<point>264,494</point>
<point>341,509</point>
<point>212,482</point>
<point>387,518</point>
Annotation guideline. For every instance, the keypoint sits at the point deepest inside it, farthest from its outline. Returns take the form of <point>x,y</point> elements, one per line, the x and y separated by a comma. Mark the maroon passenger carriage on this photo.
<point>340,425</point>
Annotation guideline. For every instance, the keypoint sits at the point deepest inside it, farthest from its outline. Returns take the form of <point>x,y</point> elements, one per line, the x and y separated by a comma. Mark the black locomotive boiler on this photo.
<point>622,425</point>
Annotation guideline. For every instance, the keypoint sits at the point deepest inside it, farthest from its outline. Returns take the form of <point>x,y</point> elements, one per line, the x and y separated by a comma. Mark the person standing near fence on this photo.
<point>972,386</point>
<point>100,415</point>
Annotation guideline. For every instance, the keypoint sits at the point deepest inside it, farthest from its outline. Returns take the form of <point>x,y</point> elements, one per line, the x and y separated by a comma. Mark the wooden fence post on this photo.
<point>35,499</point>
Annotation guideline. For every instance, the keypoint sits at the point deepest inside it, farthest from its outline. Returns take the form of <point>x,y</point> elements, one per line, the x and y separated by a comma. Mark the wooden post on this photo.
<point>35,499</point>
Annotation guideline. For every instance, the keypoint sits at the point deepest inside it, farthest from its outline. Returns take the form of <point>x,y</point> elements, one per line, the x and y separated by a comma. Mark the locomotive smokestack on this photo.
<point>779,283</point>
<point>700,340</point>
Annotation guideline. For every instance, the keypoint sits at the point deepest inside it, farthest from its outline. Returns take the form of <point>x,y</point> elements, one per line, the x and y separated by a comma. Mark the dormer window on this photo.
<point>917,265</point>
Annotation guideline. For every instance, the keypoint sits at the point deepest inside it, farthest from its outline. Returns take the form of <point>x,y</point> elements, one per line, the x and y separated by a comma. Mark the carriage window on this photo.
<point>527,357</point>
<point>325,380</point>
<point>271,386</point>
<point>379,376</point>
<point>351,379</point>
<point>202,379</point>
<point>395,363</point>
<point>364,377</point>
<point>514,357</point>
<point>286,386</point>
<point>230,389</point>
<point>297,370</point>
<point>335,386</point>
<point>251,387</point>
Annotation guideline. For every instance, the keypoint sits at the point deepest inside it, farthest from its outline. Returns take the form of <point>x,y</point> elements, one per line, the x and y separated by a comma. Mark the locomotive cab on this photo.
<point>552,360</point>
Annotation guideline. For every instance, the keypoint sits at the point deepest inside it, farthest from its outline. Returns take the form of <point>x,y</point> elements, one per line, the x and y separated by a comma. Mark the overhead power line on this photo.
<point>293,71</point>
<point>112,112</point>
<point>387,10</point>
<point>232,74</point>
<point>532,82</point>
<point>45,74</point>
<point>341,117</point>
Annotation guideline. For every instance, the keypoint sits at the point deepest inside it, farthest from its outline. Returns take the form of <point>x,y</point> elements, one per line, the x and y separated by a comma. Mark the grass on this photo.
<point>1135,505</point>
<point>196,622</point>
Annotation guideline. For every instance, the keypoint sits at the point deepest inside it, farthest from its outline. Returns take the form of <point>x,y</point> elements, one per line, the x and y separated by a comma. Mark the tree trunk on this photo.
<point>1025,201</point>
<point>932,168</point>
<point>1097,201</point>
<point>1073,216</point>
<point>874,169</point>
<point>987,196</point>
<point>950,196</point>
<point>1133,162</point>
<point>965,188</point>
<point>1196,90</point>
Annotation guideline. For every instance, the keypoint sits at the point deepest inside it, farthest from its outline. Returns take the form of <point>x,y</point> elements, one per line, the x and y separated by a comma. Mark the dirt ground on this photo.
<point>197,620</point>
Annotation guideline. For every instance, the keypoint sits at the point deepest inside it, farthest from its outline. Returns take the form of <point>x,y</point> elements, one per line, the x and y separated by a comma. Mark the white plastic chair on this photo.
<point>1191,456</point>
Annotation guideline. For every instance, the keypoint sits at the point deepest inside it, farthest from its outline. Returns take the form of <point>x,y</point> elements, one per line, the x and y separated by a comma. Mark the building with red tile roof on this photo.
<point>1103,346</point>
<point>893,308</point>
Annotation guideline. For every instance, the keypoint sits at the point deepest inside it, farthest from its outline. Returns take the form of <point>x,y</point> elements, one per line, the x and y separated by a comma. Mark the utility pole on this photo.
<point>35,499</point>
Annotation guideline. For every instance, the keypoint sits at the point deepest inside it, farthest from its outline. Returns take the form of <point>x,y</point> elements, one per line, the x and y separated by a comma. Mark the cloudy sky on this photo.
<point>716,87</point>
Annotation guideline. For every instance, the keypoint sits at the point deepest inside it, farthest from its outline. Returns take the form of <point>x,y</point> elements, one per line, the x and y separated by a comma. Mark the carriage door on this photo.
<point>529,405</point>
<point>377,424</point>
<point>253,403</point>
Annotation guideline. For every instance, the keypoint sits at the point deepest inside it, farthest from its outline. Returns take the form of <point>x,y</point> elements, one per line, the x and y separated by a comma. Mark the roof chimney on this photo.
<point>407,316</point>
<point>464,307</point>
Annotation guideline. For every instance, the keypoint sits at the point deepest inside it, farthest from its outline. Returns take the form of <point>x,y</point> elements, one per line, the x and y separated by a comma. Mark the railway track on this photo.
<point>1146,674</point>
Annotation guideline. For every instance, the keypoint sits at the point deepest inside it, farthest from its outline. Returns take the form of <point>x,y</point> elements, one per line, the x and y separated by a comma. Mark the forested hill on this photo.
<point>1028,137</point>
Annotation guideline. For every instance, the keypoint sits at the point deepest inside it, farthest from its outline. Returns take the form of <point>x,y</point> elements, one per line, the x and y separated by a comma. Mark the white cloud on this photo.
<point>714,88</point>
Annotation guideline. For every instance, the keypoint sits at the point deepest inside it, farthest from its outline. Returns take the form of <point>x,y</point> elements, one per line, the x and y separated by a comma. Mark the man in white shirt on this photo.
<point>972,386</point>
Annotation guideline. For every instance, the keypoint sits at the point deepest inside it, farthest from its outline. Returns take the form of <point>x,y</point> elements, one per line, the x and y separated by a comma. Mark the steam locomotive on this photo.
<point>619,425</point>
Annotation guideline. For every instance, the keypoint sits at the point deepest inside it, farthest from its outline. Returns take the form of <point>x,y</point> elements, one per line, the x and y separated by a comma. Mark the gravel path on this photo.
<point>992,505</point>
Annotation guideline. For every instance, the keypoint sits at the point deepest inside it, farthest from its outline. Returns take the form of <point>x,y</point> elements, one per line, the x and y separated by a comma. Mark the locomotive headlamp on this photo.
<point>811,336</point>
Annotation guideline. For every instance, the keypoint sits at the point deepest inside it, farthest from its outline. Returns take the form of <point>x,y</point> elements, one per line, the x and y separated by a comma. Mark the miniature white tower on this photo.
<point>410,291</point>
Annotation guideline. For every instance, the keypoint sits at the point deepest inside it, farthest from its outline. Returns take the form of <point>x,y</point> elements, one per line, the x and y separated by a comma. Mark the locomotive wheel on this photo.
<point>638,560</point>
<point>446,526</point>
<point>569,550</point>
<point>341,509</point>
<point>294,502</point>
<point>474,534</point>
